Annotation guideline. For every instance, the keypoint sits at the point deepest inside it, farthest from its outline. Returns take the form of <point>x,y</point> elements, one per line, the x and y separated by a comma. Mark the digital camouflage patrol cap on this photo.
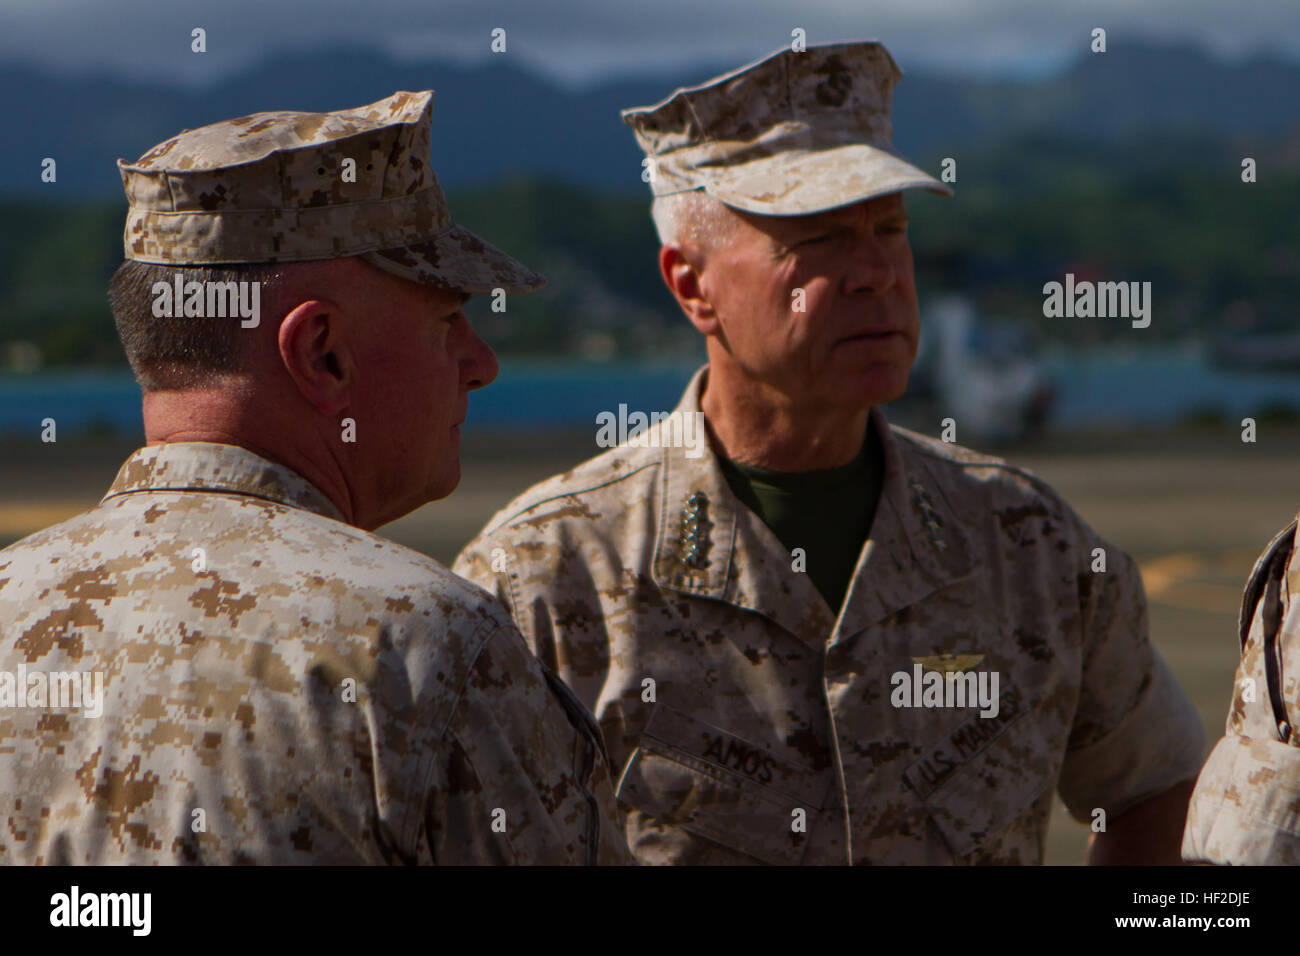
<point>274,187</point>
<point>791,134</point>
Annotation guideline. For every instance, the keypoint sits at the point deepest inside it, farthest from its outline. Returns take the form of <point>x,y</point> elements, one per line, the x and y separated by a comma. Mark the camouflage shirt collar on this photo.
<point>918,544</point>
<point>697,523</point>
<point>711,545</point>
<point>209,466</point>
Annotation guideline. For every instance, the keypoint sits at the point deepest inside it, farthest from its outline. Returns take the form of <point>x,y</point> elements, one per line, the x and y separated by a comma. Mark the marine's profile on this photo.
<point>280,684</point>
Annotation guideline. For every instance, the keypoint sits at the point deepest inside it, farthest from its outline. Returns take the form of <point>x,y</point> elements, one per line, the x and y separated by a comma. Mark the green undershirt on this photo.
<point>827,513</point>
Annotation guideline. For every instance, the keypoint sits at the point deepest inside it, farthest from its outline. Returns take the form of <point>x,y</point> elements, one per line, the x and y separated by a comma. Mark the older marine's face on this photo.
<point>821,307</point>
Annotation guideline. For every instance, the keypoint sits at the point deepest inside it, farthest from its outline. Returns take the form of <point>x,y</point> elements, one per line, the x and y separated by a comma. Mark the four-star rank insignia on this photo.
<point>921,498</point>
<point>695,531</point>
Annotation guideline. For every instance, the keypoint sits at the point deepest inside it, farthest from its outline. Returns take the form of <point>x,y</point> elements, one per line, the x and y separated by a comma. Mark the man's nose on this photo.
<point>873,268</point>
<point>479,368</point>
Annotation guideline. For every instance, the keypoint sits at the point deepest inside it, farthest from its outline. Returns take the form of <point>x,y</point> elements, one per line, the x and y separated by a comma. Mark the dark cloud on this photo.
<point>577,40</point>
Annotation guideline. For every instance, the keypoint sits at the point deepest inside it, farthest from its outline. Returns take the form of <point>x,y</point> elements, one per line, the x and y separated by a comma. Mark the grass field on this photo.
<point>1194,507</point>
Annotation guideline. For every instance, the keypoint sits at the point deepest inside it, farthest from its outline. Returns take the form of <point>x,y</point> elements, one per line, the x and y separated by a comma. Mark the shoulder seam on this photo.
<point>497,526</point>
<point>986,462</point>
<point>1036,485</point>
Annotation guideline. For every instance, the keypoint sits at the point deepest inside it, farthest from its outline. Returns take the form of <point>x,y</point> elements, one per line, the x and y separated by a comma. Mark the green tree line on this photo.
<point>1025,214</point>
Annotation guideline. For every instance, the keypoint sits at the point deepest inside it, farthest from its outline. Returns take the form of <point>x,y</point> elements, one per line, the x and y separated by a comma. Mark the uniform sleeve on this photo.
<point>520,777</point>
<point>490,562</point>
<point>1246,805</point>
<point>1135,732</point>
<point>475,564</point>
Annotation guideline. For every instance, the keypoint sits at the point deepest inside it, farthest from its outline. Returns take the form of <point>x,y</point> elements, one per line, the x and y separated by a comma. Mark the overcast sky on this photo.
<point>578,41</point>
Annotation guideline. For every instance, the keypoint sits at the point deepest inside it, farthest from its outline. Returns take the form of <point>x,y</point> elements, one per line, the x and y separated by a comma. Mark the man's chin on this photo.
<point>445,484</point>
<point>872,386</point>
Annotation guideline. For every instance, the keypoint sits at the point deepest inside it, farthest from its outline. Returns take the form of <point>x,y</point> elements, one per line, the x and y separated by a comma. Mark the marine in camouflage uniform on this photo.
<point>1246,806</point>
<point>749,718</point>
<point>280,686</point>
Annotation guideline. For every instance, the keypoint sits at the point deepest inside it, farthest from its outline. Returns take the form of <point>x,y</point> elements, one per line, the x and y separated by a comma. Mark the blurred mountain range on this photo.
<point>498,120</point>
<point>1127,166</point>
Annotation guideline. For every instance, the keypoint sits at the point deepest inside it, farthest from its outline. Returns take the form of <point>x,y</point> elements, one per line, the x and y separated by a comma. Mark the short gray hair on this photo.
<point>178,353</point>
<point>691,216</point>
